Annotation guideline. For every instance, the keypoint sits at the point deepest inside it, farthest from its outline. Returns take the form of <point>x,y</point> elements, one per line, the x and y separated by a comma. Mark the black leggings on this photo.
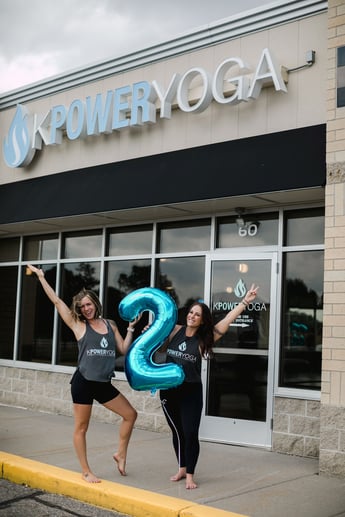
<point>182,407</point>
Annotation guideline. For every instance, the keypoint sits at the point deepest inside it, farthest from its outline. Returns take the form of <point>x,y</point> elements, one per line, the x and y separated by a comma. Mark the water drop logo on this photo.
<point>17,148</point>
<point>240,289</point>
<point>183,346</point>
<point>104,343</point>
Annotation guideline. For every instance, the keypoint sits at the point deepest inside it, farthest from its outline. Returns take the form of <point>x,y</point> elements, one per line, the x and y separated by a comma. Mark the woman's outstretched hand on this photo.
<point>132,323</point>
<point>36,270</point>
<point>138,318</point>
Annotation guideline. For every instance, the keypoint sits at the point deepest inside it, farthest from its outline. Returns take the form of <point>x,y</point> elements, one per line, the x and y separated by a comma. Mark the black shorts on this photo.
<point>85,392</point>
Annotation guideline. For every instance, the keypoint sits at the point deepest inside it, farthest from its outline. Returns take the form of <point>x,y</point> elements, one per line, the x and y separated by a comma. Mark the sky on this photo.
<point>43,38</point>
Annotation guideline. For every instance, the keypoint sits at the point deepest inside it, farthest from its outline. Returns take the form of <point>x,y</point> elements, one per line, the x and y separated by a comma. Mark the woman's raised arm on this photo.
<point>63,310</point>
<point>223,325</point>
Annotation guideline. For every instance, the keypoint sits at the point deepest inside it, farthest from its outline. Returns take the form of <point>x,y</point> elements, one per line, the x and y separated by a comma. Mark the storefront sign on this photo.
<point>137,105</point>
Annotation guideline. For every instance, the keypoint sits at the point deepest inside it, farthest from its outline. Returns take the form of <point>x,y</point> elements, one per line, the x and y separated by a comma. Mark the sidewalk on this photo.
<point>246,481</point>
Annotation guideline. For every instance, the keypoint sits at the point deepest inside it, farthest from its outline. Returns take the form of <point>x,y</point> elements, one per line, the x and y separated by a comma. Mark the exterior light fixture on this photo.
<point>240,219</point>
<point>310,60</point>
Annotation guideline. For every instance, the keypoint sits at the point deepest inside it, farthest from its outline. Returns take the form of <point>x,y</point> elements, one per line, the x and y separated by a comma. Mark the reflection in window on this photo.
<point>75,277</point>
<point>247,230</point>
<point>187,236</point>
<point>9,249</point>
<point>182,278</point>
<point>230,282</point>
<point>36,318</point>
<point>237,387</point>
<point>301,344</point>
<point>8,297</point>
<point>83,244</point>
<point>130,240</point>
<point>41,247</point>
<point>123,277</point>
<point>304,227</point>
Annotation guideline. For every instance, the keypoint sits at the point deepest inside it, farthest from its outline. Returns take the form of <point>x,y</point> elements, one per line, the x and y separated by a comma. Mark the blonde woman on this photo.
<point>97,340</point>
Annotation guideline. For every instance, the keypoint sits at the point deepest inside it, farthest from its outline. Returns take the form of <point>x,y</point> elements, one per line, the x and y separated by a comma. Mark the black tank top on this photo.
<point>185,351</point>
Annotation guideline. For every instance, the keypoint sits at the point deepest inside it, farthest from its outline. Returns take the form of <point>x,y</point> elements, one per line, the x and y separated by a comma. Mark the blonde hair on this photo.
<point>75,306</point>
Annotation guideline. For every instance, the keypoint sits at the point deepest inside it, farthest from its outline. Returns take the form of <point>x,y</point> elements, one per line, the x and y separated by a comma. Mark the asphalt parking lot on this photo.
<point>23,501</point>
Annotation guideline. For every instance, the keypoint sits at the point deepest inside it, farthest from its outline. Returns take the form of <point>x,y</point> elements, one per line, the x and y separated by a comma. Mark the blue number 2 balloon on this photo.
<point>142,373</point>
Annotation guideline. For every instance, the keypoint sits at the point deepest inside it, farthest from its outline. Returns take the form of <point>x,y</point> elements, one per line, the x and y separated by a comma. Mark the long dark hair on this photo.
<point>205,331</point>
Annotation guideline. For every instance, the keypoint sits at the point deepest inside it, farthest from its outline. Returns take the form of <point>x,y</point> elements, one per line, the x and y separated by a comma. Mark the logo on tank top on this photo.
<point>183,346</point>
<point>104,343</point>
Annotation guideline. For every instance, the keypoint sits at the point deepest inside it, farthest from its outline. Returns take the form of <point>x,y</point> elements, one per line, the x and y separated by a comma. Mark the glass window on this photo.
<point>82,244</point>
<point>41,247</point>
<point>301,342</point>
<point>187,236</point>
<point>341,56</point>
<point>341,96</point>
<point>230,282</point>
<point>304,227</point>
<point>123,277</point>
<point>75,277</point>
<point>130,241</point>
<point>247,230</point>
<point>340,77</point>
<point>36,318</point>
<point>237,387</point>
<point>9,249</point>
<point>8,298</point>
<point>182,278</point>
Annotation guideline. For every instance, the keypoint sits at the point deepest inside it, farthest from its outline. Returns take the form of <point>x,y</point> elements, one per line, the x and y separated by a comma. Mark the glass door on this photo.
<point>238,380</point>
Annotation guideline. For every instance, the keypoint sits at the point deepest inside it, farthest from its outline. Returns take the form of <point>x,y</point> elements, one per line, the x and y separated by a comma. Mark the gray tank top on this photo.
<point>96,358</point>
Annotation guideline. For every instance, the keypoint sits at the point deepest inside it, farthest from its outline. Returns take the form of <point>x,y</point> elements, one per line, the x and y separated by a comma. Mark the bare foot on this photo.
<point>181,474</point>
<point>190,483</point>
<point>121,464</point>
<point>90,478</point>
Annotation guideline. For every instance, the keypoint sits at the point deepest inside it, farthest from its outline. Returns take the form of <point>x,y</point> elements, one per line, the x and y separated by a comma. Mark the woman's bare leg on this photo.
<point>121,406</point>
<point>82,414</point>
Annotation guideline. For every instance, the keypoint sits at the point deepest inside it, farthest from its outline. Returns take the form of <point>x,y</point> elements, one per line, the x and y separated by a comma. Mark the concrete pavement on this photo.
<point>36,449</point>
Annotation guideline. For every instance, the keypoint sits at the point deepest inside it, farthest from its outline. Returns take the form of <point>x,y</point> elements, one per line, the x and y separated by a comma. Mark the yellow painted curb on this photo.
<point>112,496</point>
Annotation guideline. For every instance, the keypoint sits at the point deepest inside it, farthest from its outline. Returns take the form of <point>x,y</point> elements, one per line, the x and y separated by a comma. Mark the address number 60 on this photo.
<point>249,230</point>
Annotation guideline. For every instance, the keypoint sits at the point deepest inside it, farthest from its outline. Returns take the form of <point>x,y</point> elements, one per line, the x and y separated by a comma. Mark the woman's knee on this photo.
<point>81,418</point>
<point>80,428</point>
<point>133,415</point>
<point>121,406</point>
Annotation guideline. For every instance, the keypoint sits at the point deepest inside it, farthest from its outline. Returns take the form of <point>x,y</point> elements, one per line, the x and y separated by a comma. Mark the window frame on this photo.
<point>153,256</point>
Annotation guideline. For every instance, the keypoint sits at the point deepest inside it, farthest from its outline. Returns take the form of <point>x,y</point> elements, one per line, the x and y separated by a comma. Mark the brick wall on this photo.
<point>296,427</point>
<point>332,421</point>
<point>50,392</point>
